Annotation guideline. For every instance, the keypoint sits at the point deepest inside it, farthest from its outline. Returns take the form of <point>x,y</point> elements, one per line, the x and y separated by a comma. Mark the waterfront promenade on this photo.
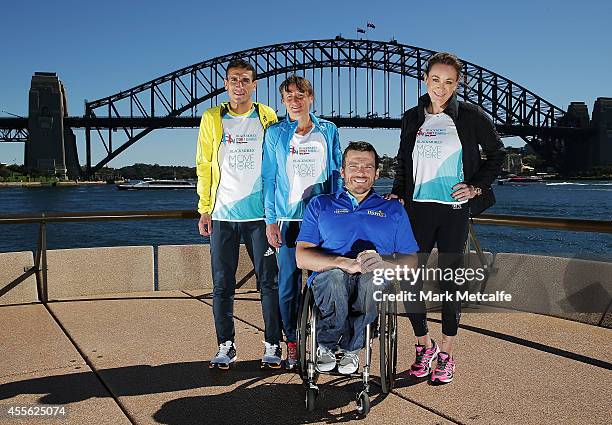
<point>127,332</point>
<point>143,358</point>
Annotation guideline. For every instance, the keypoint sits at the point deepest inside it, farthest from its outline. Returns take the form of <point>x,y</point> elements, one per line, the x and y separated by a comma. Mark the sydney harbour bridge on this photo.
<point>358,83</point>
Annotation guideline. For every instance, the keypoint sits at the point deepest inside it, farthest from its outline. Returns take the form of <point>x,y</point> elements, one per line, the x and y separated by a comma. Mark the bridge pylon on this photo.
<point>601,154</point>
<point>51,146</point>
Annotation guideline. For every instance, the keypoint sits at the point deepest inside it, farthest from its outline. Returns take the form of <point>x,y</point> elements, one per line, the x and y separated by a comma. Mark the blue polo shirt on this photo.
<point>339,225</point>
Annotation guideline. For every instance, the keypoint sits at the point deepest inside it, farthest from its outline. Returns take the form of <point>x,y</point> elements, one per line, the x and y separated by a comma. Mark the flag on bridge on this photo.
<point>360,30</point>
<point>371,25</point>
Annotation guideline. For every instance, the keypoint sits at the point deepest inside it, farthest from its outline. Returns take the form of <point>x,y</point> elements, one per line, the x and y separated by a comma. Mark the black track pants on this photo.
<point>447,227</point>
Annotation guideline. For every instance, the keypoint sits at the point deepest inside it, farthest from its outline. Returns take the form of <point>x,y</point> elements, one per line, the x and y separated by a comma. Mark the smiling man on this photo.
<point>345,237</point>
<point>302,159</point>
<point>228,164</point>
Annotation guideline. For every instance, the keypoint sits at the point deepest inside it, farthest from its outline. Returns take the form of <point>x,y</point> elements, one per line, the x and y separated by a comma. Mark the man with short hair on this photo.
<point>228,163</point>
<point>345,237</point>
<point>302,159</point>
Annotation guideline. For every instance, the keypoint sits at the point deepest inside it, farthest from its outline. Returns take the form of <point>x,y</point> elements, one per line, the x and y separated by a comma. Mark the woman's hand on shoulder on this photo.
<point>389,196</point>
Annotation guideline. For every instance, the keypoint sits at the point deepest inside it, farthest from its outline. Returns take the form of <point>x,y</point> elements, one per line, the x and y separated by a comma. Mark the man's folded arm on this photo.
<point>310,257</point>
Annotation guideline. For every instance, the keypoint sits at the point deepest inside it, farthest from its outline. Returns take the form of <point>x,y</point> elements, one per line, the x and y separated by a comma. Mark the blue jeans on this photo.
<point>289,278</point>
<point>224,248</point>
<point>346,306</point>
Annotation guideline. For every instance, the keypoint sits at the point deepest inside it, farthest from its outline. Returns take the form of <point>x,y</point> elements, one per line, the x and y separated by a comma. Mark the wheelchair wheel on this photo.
<point>363,404</point>
<point>311,397</point>
<point>305,335</point>
<point>388,345</point>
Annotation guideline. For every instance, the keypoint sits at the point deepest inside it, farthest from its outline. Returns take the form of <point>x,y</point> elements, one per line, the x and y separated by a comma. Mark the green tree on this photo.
<point>5,173</point>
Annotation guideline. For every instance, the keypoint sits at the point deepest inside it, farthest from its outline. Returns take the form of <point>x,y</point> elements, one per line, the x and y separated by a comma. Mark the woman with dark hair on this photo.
<point>442,180</point>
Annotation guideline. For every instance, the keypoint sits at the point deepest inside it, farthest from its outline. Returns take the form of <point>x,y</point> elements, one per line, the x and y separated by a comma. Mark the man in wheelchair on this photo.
<point>345,237</point>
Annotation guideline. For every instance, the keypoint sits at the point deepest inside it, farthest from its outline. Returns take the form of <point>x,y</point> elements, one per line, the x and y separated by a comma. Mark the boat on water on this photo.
<point>150,184</point>
<point>520,180</point>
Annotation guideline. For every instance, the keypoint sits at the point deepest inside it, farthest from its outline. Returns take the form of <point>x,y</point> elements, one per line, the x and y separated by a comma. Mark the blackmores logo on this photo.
<point>240,138</point>
<point>303,150</point>
<point>431,132</point>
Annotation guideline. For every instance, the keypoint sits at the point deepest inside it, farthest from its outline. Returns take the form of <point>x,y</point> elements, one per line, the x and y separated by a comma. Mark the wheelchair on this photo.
<point>384,328</point>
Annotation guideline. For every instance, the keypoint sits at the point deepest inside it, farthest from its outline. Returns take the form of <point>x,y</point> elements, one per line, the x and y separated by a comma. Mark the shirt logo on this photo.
<point>379,213</point>
<point>431,132</point>
<point>341,211</point>
<point>304,169</point>
<point>240,138</point>
<point>241,161</point>
<point>303,150</point>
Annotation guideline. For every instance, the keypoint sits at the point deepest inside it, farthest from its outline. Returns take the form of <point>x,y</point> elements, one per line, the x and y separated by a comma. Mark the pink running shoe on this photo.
<point>445,369</point>
<point>424,358</point>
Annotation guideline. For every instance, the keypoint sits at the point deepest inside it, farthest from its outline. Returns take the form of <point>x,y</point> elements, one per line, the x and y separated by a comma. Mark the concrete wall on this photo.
<point>432,285</point>
<point>93,271</point>
<point>12,266</point>
<point>569,288</point>
<point>188,267</point>
<point>564,287</point>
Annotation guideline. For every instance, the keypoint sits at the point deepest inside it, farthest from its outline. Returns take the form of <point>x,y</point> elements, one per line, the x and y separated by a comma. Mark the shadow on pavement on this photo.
<point>403,380</point>
<point>133,380</point>
<point>257,399</point>
<point>254,402</point>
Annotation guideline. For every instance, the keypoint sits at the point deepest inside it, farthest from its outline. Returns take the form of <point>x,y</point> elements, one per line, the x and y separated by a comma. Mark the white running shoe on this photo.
<point>349,363</point>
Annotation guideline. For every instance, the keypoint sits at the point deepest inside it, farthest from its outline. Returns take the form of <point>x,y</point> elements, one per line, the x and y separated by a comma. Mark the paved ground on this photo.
<point>143,359</point>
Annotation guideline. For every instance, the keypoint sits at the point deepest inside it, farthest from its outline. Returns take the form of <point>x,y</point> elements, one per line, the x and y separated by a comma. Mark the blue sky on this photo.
<point>561,50</point>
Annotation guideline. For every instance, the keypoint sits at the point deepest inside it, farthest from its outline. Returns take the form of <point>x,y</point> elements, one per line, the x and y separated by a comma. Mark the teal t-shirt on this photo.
<point>239,196</point>
<point>306,171</point>
<point>437,160</point>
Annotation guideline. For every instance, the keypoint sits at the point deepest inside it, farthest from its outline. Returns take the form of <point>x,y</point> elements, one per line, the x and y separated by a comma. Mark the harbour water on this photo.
<point>585,200</point>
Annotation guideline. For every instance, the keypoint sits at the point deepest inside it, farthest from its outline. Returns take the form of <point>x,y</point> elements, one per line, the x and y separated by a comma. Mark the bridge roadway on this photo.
<point>142,358</point>
<point>372,121</point>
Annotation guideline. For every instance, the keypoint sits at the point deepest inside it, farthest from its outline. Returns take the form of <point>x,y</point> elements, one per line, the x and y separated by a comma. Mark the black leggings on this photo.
<point>446,227</point>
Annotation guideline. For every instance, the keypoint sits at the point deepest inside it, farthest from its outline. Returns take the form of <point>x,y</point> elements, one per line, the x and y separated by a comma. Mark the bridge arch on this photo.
<point>179,93</point>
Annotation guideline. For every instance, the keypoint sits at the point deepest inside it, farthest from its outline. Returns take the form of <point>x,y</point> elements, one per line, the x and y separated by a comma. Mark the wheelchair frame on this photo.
<point>385,327</point>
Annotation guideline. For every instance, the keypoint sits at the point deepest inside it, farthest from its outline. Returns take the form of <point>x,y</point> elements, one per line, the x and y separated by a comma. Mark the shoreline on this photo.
<point>602,178</point>
<point>45,184</point>
<point>98,183</point>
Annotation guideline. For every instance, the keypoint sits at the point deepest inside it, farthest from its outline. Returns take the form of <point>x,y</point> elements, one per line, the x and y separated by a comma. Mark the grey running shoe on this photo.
<point>349,363</point>
<point>224,357</point>
<point>326,360</point>
<point>272,356</point>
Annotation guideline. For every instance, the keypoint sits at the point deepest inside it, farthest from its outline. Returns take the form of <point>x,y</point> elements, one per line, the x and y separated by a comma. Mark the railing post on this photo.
<point>466,258</point>
<point>45,293</point>
<point>481,257</point>
<point>40,264</point>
